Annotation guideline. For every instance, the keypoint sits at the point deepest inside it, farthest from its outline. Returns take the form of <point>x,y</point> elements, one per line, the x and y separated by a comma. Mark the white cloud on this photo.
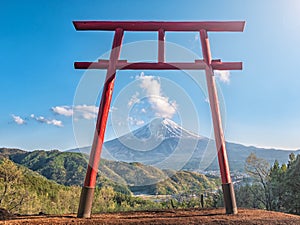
<point>150,84</point>
<point>57,123</point>
<point>140,122</point>
<point>161,104</point>
<point>143,110</point>
<point>42,119</point>
<point>85,111</point>
<point>223,75</point>
<point>135,122</point>
<point>113,109</point>
<point>63,110</point>
<point>18,119</point>
<point>134,99</point>
<point>78,111</point>
<point>206,100</point>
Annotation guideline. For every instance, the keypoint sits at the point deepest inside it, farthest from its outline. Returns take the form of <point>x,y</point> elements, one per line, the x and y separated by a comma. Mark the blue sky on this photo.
<point>38,45</point>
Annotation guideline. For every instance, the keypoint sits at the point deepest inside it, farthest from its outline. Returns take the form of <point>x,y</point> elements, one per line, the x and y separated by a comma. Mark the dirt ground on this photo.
<point>192,216</point>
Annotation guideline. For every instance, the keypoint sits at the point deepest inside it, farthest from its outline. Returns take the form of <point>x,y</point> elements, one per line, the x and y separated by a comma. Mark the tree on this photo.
<point>258,169</point>
<point>277,185</point>
<point>13,194</point>
<point>277,188</point>
<point>245,197</point>
<point>292,181</point>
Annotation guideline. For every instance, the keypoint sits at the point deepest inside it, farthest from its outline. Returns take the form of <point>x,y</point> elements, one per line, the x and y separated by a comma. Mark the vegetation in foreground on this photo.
<point>24,191</point>
<point>273,188</point>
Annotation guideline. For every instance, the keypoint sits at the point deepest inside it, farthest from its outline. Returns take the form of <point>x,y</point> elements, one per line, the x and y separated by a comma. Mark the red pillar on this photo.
<point>227,186</point>
<point>87,193</point>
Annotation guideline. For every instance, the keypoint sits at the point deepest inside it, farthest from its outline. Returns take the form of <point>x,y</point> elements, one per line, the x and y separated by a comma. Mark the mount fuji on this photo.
<point>164,144</point>
<point>161,143</point>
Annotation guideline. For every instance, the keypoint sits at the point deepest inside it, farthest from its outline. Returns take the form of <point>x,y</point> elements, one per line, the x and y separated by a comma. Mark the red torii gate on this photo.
<point>114,64</point>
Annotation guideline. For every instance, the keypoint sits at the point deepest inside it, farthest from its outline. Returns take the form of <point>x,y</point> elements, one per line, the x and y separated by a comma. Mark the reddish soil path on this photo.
<point>192,216</point>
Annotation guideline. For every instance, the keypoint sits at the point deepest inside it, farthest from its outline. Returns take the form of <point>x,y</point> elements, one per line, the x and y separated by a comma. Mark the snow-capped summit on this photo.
<point>162,142</point>
<point>163,128</point>
<point>177,130</point>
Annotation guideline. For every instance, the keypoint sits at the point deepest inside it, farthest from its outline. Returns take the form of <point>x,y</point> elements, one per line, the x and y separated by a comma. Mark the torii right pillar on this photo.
<point>227,186</point>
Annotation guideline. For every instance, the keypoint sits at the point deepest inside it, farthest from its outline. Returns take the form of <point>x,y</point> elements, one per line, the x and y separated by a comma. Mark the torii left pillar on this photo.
<point>88,189</point>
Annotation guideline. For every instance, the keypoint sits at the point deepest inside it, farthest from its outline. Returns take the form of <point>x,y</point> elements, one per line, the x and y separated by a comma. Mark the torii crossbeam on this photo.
<point>114,64</point>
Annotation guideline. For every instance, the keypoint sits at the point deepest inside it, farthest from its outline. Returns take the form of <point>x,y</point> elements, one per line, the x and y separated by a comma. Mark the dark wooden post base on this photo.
<point>229,198</point>
<point>86,201</point>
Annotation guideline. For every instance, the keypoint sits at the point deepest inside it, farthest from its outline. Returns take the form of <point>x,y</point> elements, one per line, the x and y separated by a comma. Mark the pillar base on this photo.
<point>229,198</point>
<point>86,201</point>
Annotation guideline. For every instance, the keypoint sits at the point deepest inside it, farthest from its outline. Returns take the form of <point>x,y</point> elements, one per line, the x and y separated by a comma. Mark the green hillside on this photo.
<point>26,192</point>
<point>63,167</point>
<point>25,188</point>
<point>23,191</point>
<point>69,168</point>
<point>180,182</point>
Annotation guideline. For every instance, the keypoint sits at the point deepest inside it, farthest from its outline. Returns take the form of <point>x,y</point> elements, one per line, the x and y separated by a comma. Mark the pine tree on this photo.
<point>292,184</point>
<point>277,185</point>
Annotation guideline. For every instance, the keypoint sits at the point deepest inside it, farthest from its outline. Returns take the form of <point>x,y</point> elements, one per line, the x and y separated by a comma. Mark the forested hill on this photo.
<point>63,167</point>
<point>69,168</point>
<point>25,191</point>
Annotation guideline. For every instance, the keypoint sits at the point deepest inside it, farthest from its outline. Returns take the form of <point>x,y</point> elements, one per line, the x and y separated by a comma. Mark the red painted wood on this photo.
<point>219,26</point>
<point>124,65</point>
<point>227,65</point>
<point>90,178</point>
<point>161,45</point>
<point>215,111</point>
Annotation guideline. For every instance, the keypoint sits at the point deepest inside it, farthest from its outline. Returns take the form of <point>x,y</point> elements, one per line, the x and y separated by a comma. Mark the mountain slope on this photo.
<point>161,143</point>
<point>24,191</point>
<point>65,168</point>
<point>180,182</point>
<point>164,144</point>
<point>69,169</point>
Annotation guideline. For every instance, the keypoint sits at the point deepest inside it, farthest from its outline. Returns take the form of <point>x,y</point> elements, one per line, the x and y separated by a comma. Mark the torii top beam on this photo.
<point>161,28</point>
<point>215,26</point>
